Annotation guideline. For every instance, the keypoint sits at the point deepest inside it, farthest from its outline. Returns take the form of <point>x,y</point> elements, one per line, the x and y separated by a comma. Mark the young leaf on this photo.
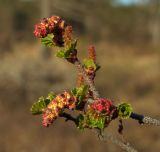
<point>81,122</point>
<point>48,40</point>
<point>51,96</point>
<point>65,53</point>
<point>124,110</point>
<point>80,92</point>
<point>39,106</point>
<point>73,45</point>
<point>91,121</point>
<point>74,91</point>
<point>89,63</point>
<point>97,122</point>
<point>61,54</point>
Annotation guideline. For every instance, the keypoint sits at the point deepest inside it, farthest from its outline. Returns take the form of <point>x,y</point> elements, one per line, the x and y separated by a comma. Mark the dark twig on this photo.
<point>68,117</point>
<point>137,117</point>
<point>144,119</point>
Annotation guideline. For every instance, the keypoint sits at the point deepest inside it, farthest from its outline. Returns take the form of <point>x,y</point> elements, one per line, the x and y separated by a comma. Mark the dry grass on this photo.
<point>125,76</point>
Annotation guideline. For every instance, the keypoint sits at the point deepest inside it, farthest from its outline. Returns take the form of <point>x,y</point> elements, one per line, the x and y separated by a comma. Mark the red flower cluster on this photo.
<point>56,26</point>
<point>102,106</point>
<point>64,100</point>
<point>47,25</point>
<point>49,116</point>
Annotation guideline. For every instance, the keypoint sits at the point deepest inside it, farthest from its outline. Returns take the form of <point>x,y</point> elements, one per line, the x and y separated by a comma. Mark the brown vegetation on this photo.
<point>25,77</point>
<point>127,50</point>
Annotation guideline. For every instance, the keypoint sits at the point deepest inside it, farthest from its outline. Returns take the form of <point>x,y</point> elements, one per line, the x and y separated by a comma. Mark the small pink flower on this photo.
<point>102,106</point>
<point>56,26</point>
<point>68,100</point>
<point>40,30</point>
<point>60,102</point>
<point>47,25</point>
<point>48,117</point>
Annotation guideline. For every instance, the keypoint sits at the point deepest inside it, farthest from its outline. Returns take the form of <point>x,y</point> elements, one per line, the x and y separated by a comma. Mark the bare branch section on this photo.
<point>87,80</point>
<point>145,119</point>
<point>125,146</point>
<point>151,121</point>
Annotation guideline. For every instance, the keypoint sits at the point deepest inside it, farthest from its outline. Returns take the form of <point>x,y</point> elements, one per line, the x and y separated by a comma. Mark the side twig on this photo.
<point>68,117</point>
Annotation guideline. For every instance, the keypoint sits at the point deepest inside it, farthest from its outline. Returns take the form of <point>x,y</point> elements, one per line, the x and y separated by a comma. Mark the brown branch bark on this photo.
<point>87,80</point>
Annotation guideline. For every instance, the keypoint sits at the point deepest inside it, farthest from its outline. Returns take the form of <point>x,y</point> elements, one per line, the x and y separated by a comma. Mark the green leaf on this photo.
<point>61,54</point>
<point>51,96</point>
<point>48,40</point>
<point>124,110</point>
<point>74,91</point>
<point>73,45</point>
<point>39,106</point>
<point>89,120</point>
<point>97,122</point>
<point>93,122</point>
<point>80,92</point>
<point>65,53</point>
<point>89,63</point>
<point>81,122</point>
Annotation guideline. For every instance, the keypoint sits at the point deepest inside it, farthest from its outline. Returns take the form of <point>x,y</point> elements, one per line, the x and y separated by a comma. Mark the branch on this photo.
<point>137,117</point>
<point>68,117</point>
<point>87,80</point>
<point>145,120</point>
<point>151,121</point>
<point>126,146</point>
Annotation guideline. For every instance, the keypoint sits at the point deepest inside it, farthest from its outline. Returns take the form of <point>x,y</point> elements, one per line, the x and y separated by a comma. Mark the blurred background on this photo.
<point>126,34</point>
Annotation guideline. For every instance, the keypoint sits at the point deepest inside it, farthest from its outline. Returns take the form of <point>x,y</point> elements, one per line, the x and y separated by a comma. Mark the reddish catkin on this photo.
<point>92,53</point>
<point>80,80</point>
<point>67,35</point>
<point>55,107</point>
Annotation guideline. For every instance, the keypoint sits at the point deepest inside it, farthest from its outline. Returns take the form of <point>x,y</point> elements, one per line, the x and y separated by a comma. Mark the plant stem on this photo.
<point>144,119</point>
<point>87,79</point>
<point>125,146</point>
<point>68,117</point>
<point>137,117</point>
<point>151,121</point>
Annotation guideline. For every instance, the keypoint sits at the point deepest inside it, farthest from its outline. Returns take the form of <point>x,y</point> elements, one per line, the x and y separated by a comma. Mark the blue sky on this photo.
<point>128,2</point>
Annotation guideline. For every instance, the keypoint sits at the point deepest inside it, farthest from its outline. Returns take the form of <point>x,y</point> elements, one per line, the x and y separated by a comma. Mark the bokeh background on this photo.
<point>126,34</point>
